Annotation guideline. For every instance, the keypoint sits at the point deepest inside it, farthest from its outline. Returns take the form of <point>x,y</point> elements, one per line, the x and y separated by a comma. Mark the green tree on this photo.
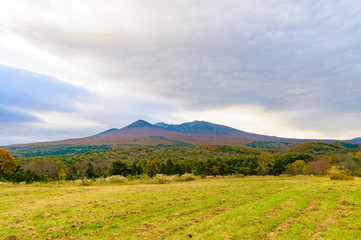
<point>151,168</point>
<point>265,162</point>
<point>351,165</point>
<point>62,174</point>
<point>31,176</point>
<point>177,169</point>
<point>18,176</point>
<point>169,167</point>
<point>296,167</point>
<point>199,169</point>
<point>119,168</point>
<point>90,171</point>
<point>134,169</point>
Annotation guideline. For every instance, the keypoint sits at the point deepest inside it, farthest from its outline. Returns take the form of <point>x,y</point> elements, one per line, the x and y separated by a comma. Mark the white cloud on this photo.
<point>295,63</point>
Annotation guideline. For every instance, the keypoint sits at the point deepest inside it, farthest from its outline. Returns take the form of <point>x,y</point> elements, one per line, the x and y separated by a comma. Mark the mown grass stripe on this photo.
<point>219,208</point>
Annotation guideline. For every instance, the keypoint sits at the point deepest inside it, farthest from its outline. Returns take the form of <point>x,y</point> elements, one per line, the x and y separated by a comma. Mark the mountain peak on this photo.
<point>140,123</point>
<point>162,124</point>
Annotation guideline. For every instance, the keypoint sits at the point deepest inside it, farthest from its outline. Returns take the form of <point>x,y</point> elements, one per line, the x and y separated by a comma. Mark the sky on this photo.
<point>283,68</point>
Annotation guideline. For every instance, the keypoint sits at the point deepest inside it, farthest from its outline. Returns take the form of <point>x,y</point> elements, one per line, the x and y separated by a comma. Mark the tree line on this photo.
<point>199,160</point>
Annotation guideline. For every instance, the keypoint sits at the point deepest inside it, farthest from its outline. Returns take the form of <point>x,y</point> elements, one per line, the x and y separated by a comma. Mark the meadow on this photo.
<point>214,208</point>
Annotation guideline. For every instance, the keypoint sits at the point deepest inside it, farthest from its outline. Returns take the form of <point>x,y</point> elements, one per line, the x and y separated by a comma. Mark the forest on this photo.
<point>72,162</point>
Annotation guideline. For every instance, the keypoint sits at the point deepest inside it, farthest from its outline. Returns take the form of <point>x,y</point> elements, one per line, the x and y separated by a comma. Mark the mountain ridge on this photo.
<point>197,132</point>
<point>212,129</point>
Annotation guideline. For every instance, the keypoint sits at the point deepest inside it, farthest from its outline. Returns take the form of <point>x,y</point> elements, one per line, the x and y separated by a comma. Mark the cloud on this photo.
<point>290,59</point>
<point>36,107</point>
<point>27,99</point>
<point>22,89</point>
<point>209,53</point>
<point>8,115</point>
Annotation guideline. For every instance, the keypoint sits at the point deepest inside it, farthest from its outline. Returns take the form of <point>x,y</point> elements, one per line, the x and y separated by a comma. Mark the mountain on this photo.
<point>190,133</point>
<point>211,129</point>
<point>356,140</point>
<point>140,123</point>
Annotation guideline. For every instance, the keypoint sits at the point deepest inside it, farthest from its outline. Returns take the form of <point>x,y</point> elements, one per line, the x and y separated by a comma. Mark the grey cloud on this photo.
<point>21,89</point>
<point>282,55</point>
<point>8,115</point>
<point>22,94</point>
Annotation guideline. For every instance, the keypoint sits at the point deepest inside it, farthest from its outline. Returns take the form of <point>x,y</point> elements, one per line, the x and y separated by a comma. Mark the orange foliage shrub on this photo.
<point>7,162</point>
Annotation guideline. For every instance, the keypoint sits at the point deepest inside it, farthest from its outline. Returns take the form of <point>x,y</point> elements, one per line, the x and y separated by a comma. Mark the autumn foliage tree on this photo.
<point>215,171</point>
<point>317,167</point>
<point>7,163</point>
<point>151,168</point>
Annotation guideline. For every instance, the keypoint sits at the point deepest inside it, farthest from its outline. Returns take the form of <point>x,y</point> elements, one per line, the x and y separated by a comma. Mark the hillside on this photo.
<point>318,148</point>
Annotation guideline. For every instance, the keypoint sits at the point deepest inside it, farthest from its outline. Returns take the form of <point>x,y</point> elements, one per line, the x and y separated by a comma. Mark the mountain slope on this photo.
<point>356,140</point>
<point>106,131</point>
<point>191,133</point>
<point>211,129</point>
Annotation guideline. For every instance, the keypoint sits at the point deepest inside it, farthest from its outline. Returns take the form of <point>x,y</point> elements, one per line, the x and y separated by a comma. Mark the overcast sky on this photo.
<point>73,68</point>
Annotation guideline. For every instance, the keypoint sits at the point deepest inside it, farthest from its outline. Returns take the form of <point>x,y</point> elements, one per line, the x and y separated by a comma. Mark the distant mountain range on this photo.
<point>356,140</point>
<point>190,133</point>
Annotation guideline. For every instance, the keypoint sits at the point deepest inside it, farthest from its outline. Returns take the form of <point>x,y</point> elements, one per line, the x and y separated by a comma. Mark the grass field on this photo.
<point>217,208</point>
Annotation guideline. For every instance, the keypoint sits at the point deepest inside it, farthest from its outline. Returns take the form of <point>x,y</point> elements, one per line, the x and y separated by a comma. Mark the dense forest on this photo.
<point>71,162</point>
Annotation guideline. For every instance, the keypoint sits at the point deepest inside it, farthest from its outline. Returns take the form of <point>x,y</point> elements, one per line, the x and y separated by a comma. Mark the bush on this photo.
<point>19,176</point>
<point>160,181</point>
<point>318,167</point>
<point>358,173</point>
<point>116,179</point>
<point>163,179</point>
<point>86,182</point>
<point>31,176</point>
<point>189,178</point>
<point>238,175</point>
<point>336,174</point>
<point>341,176</point>
<point>133,177</point>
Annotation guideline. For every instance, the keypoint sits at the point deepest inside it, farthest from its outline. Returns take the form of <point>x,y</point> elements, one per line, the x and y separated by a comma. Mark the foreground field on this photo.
<point>218,208</point>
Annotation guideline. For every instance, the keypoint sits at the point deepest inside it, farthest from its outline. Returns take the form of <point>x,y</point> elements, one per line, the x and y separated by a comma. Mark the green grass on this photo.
<point>215,208</point>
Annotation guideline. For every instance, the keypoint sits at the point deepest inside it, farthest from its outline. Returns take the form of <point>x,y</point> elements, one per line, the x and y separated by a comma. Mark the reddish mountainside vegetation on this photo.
<point>193,133</point>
